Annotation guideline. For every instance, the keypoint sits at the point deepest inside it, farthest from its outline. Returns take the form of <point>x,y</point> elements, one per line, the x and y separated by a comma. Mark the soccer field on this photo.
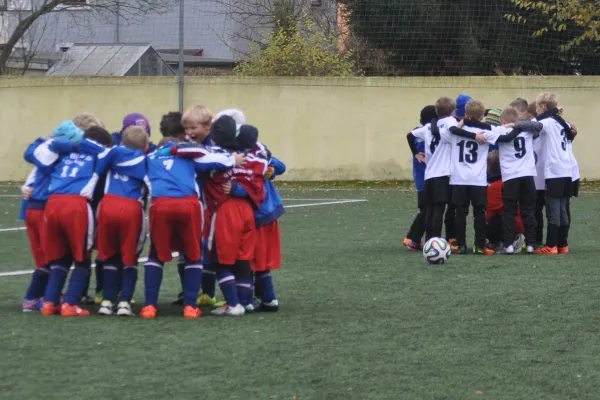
<point>360,318</point>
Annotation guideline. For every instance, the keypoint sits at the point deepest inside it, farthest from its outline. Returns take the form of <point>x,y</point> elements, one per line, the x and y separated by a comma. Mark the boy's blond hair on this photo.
<point>135,137</point>
<point>444,107</point>
<point>475,110</point>
<point>493,162</point>
<point>520,104</point>
<point>87,120</point>
<point>548,99</point>
<point>197,115</point>
<point>509,115</point>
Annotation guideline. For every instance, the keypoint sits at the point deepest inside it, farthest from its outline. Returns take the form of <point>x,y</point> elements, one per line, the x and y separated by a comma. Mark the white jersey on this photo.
<point>557,161</point>
<point>469,158</point>
<point>437,152</point>
<point>516,157</point>
<point>574,164</point>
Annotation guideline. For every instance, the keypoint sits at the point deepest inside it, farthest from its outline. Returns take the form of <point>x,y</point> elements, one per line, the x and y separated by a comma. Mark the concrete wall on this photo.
<point>323,128</point>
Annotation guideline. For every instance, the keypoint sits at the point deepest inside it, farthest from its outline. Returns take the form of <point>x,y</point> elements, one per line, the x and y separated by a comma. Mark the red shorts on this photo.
<point>34,220</point>
<point>69,227</point>
<point>120,228</point>
<point>233,232</point>
<point>176,224</point>
<point>267,253</point>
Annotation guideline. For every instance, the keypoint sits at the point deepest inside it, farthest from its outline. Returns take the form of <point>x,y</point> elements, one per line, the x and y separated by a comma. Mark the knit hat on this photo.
<point>427,114</point>
<point>492,117</point>
<point>68,131</point>
<point>136,119</point>
<point>237,116</point>
<point>247,138</point>
<point>223,132</point>
<point>461,103</point>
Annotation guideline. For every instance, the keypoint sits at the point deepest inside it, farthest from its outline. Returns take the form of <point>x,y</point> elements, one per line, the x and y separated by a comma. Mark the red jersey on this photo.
<point>250,176</point>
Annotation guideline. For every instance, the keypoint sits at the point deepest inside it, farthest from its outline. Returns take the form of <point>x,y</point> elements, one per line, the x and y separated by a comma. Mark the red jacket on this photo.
<point>495,205</point>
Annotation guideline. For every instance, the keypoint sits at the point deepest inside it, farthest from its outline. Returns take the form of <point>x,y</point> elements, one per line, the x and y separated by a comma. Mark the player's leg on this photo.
<point>269,301</point>
<point>540,204</point>
<point>510,199</point>
<point>34,221</point>
<point>449,223</point>
<point>108,242</point>
<point>460,203</point>
<point>494,232</point>
<point>440,198</point>
<point>180,271</point>
<point>527,204</point>
<point>417,229</point>
<point>190,232</point>
<point>479,201</point>
<point>80,224</point>
<point>554,194</point>
<point>246,252</point>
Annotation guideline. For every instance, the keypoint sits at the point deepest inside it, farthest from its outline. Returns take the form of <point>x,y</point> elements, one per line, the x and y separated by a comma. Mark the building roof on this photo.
<point>105,60</point>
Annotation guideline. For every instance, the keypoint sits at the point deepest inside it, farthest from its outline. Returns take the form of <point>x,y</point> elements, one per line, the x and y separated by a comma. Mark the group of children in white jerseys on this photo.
<point>461,150</point>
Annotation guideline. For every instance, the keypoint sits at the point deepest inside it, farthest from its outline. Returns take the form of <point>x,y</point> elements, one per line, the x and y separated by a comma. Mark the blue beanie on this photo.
<point>461,103</point>
<point>247,138</point>
<point>68,131</point>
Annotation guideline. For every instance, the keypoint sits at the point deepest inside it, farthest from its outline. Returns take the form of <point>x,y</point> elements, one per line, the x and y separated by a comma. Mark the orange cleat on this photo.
<point>191,312</point>
<point>547,250</point>
<point>49,309</point>
<point>406,241</point>
<point>563,250</point>
<point>67,310</point>
<point>148,312</point>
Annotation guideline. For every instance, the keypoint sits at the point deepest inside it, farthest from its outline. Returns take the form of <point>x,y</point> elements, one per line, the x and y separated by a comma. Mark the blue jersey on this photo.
<point>75,172</point>
<point>419,168</point>
<point>125,172</point>
<point>172,176</point>
<point>44,155</point>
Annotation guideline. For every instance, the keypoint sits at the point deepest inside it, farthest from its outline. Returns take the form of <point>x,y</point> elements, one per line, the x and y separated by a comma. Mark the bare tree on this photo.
<point>255,18</point>
<point>127,10</point>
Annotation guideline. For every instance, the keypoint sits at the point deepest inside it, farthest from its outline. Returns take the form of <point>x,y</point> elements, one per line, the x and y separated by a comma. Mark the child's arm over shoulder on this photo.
<point>131,163</point>
<point>41,155</point>
<point>279,167</point>
<point>214,161</point>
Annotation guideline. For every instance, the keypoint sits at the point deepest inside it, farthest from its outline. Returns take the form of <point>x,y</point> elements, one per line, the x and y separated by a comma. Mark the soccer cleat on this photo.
<point>124,309</point>
<point>518,243</point>
<point>547,250</point>
<point>458,249</point>
<point>87,300</point>
<point>179,301</point>
<point>236,311</point>
<point>32,305</point>
<point>272,306</point>
<point>507,250</point>
<point>49,309</point>
<point>106,308</point>
<point>563,250</point>
<point>148,312</point>
<point>191,312</point>
<point>206,300</point>
<point>530,250</point>
<point>483,251</point>
<point>413,246</point>
<point>453,242</point>
<point>406,241</point>
<point>68,310</point>
<point>250,308</point>
<point>99,297</point>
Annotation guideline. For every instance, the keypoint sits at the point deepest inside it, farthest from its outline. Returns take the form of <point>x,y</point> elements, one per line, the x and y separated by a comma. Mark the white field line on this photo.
<point>144,259</point>
<point>20,228</point>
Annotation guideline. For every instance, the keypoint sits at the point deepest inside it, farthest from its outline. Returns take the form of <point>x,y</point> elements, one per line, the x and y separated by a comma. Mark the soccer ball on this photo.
<point>436,250</point>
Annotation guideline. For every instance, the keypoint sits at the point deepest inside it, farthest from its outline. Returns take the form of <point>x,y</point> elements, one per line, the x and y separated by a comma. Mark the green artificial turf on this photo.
<point>360,318</point>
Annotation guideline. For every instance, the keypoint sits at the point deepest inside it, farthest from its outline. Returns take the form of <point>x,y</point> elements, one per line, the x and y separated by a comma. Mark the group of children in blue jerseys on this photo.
<point>508,164</point>
<point>205,191</point>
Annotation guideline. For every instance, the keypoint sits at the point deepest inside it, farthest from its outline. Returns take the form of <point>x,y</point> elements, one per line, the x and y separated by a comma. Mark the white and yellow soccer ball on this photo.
<point>437,250</point>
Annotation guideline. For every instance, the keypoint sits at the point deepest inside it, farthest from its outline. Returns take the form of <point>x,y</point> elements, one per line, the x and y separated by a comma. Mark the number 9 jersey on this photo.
<point>517,158</point>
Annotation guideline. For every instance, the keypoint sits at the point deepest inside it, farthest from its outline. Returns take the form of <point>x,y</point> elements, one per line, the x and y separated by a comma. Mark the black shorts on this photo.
<point>420,200</point>
<point>575,189</point>
<point>521,189</point>
<point>462,195</point>
<point>437,190</point>
<point>559,187</point>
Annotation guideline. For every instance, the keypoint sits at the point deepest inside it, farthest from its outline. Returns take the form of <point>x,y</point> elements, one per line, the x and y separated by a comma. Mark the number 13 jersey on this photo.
<point>469,158</point>
<point>517,158</point>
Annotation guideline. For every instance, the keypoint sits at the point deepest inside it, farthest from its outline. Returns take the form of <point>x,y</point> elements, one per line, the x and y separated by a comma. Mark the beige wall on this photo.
<point>323,128</point>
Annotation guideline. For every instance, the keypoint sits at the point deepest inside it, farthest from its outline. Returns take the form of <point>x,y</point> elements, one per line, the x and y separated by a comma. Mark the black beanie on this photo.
<point>427,114</point>
<point>247,138</point>
<point>223,131</point>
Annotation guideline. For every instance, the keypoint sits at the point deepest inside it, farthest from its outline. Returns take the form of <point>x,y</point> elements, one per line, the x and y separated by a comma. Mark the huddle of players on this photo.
<point>212,199</point>
<point>530,166</point>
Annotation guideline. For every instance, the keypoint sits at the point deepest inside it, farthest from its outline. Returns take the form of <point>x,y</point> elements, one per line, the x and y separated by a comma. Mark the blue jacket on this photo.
<point>272,207</point>
<point>419,169</point>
